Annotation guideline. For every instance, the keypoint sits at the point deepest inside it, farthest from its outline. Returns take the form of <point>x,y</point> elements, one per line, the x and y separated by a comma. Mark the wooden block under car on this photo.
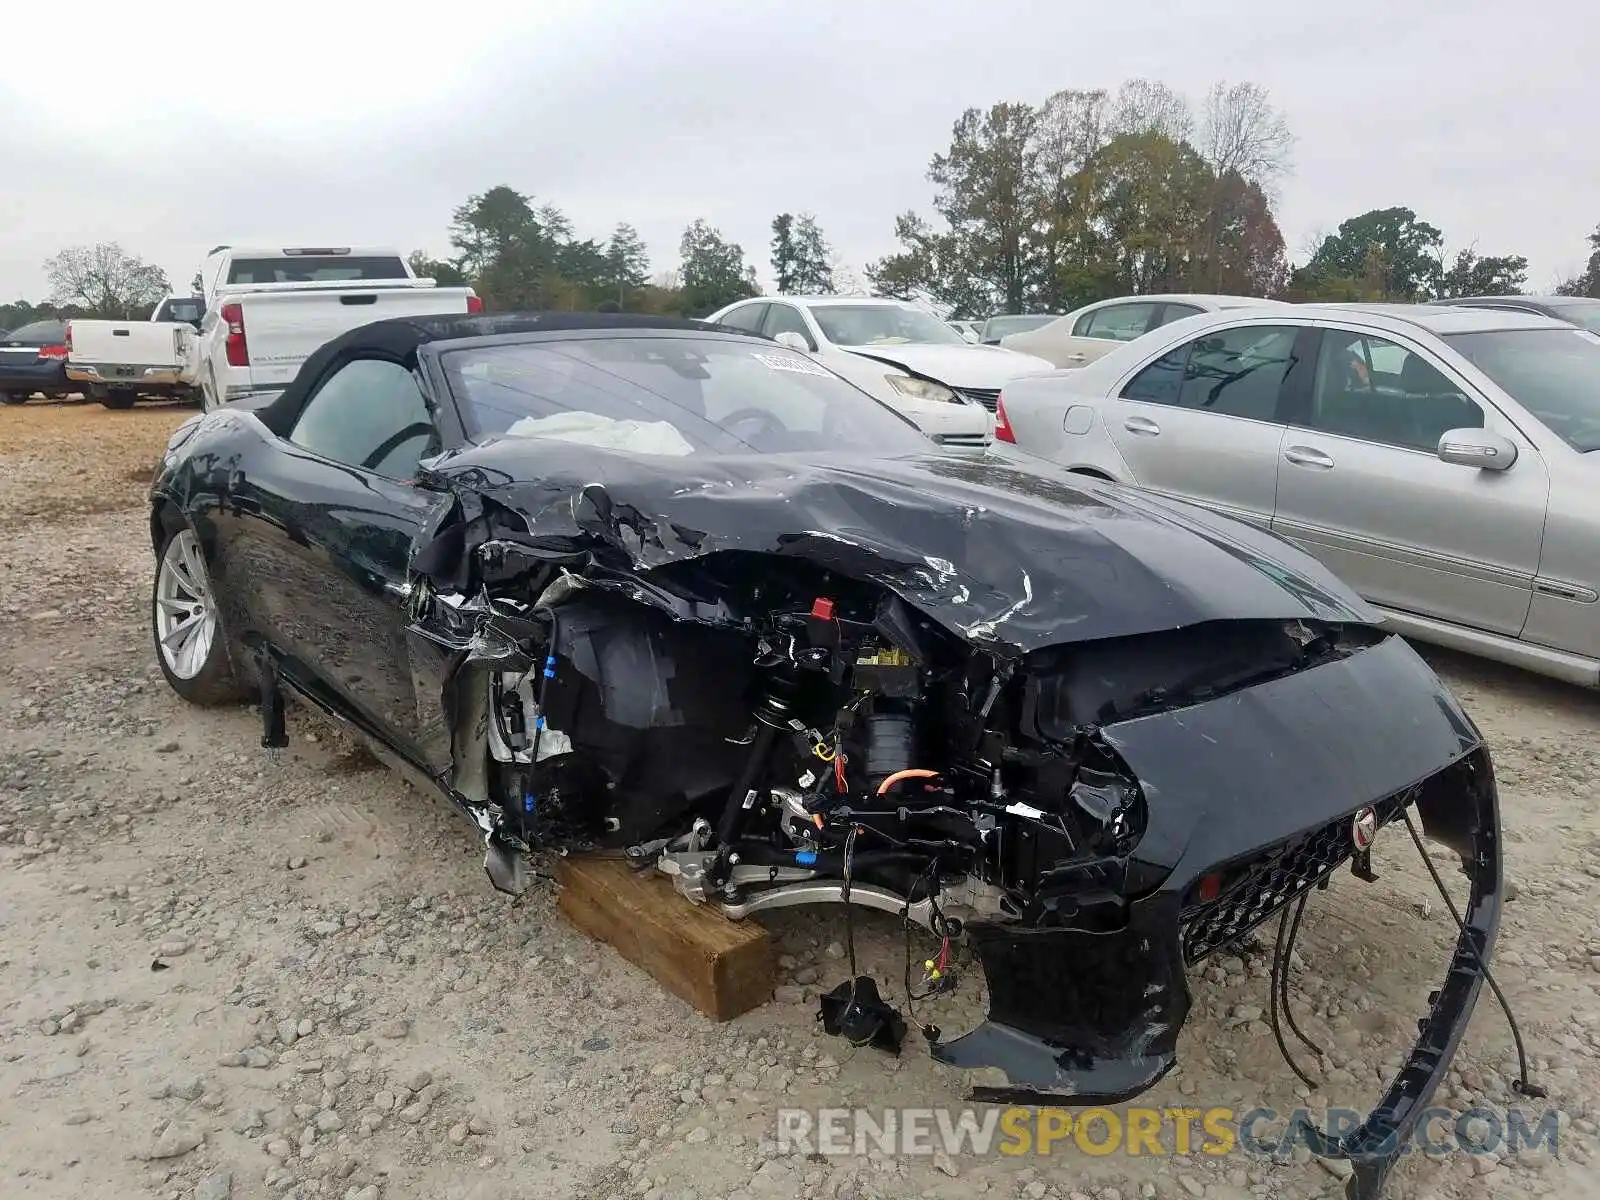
<point>723,968</point>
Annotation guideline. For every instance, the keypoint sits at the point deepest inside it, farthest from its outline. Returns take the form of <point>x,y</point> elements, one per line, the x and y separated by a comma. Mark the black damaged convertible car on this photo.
<point>646,587</point>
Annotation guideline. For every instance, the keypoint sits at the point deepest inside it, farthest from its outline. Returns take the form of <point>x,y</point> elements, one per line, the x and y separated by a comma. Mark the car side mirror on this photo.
<point>1479,448</point>
<point>792,340</point>
<point>970,336</point>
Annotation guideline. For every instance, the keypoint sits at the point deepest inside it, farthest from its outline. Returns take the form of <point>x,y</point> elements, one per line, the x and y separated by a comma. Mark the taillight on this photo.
<point>238,349</point>
<point>1002,424</point>
<point>474,303</point>
<point>54,353</point>
<point>69,337</point>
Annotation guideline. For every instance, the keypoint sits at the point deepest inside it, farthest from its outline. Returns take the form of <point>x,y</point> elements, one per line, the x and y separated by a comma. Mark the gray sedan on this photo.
<point>1441,460</point>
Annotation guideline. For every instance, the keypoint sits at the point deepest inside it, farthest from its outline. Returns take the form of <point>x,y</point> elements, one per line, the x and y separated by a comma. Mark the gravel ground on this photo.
<point>230,972</point>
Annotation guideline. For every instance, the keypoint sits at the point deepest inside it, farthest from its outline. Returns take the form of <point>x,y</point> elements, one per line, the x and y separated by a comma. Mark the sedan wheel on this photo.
<point>14,397</point>
<point>188,632</point>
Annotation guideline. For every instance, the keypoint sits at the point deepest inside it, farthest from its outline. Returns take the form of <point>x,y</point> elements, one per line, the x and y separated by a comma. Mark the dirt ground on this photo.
<point>232,972</point>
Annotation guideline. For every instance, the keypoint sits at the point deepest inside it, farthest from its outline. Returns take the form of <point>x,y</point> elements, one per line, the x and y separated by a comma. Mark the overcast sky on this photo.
<point>350,122</point>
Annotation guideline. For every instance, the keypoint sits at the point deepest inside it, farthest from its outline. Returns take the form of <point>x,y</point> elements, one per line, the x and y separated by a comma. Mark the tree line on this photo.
<point>519,255</point>
<point>1094,194</point>
<point>1037,208</point>
<point>516,254</point>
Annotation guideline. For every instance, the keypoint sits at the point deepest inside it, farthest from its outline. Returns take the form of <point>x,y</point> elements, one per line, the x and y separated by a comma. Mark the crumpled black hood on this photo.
<point>1003,549</point>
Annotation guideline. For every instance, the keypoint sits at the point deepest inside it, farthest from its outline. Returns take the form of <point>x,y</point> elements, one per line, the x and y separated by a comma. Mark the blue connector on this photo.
<point>527,803</point>
<point>550,667</point>
<point>805,858</point>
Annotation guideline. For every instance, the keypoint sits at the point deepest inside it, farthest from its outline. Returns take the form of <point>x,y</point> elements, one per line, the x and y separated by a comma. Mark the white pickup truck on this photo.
<point>268,310</point>
<point>119,361</point>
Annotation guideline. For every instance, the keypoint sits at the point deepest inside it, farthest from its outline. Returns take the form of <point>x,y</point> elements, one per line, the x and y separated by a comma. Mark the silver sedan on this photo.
<point>1441,460</point>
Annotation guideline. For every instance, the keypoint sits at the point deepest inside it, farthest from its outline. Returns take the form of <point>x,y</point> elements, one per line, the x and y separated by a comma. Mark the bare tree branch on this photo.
<point>1072,127</point>
<point>1240,131</point>
<point>1147,106</point>
<point>1312,241</point>
<point>106,281</point>
<point>847,280</point>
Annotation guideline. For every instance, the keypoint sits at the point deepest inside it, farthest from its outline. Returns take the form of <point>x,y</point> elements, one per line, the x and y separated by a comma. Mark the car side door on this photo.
<point>786,318</point>
<point>1101,330</point>
<point>1172,311</point>
<point>749,317</point>
<point>1362,487</point>
<point>1203,421</point>
<point>325,528</point>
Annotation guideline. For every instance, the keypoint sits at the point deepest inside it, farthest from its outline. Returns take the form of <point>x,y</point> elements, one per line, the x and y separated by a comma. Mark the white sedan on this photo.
<point>1086,333</point>
<point>897,352</point>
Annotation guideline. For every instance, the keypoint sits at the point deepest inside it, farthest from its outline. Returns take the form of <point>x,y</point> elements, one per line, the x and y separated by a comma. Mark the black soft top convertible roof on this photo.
<point>397,339</point>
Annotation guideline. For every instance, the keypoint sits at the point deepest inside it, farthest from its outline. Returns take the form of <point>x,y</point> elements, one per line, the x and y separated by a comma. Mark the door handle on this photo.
<point>1306,456</point>
<point>1143,425</point>
<point>1077,358</point>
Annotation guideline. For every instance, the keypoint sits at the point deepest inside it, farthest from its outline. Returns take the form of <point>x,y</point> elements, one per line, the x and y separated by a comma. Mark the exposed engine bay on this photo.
<point>823,723</point>
<point>769,732</point>
<point>841,735</point>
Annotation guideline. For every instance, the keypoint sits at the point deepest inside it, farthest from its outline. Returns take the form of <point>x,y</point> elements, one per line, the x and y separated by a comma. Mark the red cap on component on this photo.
<point>822,608</point>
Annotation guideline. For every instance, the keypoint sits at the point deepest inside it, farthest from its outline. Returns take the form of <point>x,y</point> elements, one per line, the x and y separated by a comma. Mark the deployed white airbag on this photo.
<point>591,429</point>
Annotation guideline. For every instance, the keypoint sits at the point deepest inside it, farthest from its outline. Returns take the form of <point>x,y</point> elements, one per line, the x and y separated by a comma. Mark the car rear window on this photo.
<point>1553,373</point>
<point>670,396</point>
<point>1583,313</point>
<point>306,268</point>
<point>44,333</point>
<point>181,310</point>
<point>998,327</point>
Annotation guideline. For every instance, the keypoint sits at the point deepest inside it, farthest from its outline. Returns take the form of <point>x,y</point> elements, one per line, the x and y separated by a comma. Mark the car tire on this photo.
<point>119,399</point>
<point>14,397</point>
<point>195,663</point>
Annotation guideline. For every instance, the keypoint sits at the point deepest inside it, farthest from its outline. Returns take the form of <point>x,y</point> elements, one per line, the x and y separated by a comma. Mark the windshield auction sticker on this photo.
<point>789,362</point>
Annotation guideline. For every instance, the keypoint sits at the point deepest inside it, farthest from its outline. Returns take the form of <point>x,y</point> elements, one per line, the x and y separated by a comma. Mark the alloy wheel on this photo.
<point>186,615</point>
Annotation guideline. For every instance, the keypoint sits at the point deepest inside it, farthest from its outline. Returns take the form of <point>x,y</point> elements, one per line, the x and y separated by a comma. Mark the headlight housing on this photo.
<point>922,389</point>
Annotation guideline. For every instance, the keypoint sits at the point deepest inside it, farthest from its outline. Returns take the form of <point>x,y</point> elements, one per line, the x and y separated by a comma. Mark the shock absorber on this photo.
<point>772,717</point>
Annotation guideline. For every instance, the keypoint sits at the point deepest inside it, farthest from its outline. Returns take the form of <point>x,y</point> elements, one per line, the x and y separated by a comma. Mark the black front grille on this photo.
<point>1256,889</point>
<point>988,397</point>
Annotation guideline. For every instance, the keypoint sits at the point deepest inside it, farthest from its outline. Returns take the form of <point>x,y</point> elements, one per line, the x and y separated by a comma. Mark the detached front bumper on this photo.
<point>1091,1017</point>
